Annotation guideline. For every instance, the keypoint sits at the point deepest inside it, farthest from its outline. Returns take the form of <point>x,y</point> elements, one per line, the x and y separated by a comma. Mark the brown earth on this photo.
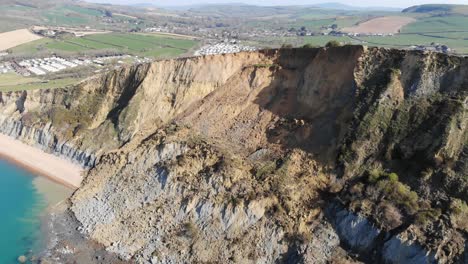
<point>15,38</point>
<point>383,25</point>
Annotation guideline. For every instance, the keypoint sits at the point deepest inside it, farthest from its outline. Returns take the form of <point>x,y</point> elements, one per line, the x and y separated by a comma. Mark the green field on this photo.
<point>150,45</point>
<point>322,40</point>
<point>340,21</point>
<point>53,84</point>
<point>401,41</point>
<point>312,24</point>
<point>397,41</point>
<point>71,15</point>
<point>11,79</point>
<point>449,35</point>
<point>23,14</point>
<point>438,24</point>
<point>13,82</point>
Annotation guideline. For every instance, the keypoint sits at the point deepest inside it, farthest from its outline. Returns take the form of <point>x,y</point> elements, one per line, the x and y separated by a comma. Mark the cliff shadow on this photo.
<point>312,94</point>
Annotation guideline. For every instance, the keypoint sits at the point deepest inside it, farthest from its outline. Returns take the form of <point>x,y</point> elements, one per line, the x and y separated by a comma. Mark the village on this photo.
<point>225,47</point>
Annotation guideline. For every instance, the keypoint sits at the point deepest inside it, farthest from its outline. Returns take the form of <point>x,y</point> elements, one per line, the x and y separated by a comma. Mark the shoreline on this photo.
<point>40,163</point>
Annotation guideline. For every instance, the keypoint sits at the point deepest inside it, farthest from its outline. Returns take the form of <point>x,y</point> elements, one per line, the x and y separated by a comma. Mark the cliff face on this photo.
<point>105,112</point>
<point>300,155</point>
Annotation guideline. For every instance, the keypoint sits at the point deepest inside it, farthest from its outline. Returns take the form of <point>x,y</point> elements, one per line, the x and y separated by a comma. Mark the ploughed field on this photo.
<point>17,37</point>
<point>390,24</point>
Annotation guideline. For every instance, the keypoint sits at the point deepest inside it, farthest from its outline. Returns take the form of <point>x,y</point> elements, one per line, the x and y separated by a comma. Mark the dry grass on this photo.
<point>15,38</point>
<point>384,25</point>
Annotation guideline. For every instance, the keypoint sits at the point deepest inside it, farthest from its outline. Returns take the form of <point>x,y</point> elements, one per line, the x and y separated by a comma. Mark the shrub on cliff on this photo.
<point>459,214</point>
<point>399,194</point>
<point>333,43</point>
<point>309,46</point>
<point>393,177</point>
<point>376,175</point>
<point>423,217</point>
<point>389,215</point>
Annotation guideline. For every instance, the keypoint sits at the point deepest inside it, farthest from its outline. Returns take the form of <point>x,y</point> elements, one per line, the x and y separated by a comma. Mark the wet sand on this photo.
<point>40,162</point>
<point>52,191</point>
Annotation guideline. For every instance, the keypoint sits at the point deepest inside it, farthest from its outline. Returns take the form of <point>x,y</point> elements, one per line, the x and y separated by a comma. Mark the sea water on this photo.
<point>24,198</point>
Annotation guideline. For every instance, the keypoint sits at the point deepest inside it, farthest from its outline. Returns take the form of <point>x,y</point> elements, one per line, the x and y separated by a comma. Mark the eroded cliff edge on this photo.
<point>300,155</point>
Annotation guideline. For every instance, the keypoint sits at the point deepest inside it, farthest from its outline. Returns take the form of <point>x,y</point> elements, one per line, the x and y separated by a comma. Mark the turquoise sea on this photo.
<point>24,199</point>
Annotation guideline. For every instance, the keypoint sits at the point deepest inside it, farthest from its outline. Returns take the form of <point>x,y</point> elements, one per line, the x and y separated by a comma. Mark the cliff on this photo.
<point>293,155</point>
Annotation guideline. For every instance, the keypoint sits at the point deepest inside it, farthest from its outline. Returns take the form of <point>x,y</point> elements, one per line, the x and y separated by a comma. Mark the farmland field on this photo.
<point>402,41</point>
<point>64,46</point>
<point>12,82</point>
<point>15,38</point>
<point>70,15</point>
<point>12,79</point>
<point>389,24</point>
<point>322,40</point>
<point>340,22</point>
<point>437,24</point>
<point>152,45</point>
<point>457,41</point>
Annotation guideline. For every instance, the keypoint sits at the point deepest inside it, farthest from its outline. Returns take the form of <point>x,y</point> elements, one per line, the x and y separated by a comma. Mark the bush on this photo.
<point>333,43</point>
<point>391,215</point>
<point>394,191</point>
<point>395,71</point>
<point>426,216</point>
<point>265,170</point>
<point>189,230</point>
<point>459,214</point>
<point>265,65</point>
<point>309,46</point>
<point>427,174</point>
<point>287,46</point>
<point>374,175</point>
<point>402,195</point>
<point>393,177</point>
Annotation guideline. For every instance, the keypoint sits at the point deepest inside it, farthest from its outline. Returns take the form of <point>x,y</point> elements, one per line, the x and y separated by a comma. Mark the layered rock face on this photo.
<point>298,155</point>
<point>105,112</point>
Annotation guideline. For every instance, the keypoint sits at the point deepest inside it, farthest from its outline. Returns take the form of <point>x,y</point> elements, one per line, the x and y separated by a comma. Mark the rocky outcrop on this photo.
<point>44,139</point>
<point>355,231</point>
<point>397,250</point>
<point>374,245</point>
<point>240,158</point>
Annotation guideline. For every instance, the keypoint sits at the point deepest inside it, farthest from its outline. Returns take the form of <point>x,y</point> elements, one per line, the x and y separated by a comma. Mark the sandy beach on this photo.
<point>40,162</point>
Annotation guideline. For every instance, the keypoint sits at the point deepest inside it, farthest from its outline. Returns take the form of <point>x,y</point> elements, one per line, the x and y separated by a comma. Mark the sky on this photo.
<point>386,3</point>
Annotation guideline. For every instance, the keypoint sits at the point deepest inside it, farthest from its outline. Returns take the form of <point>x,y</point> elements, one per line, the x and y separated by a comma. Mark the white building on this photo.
<point>36,71</point>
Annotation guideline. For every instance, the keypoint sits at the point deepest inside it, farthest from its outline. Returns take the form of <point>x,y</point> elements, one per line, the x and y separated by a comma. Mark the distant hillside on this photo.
<point>243,10</point>
<point>340,6</point>
<point>272,5</point>
<point>438,9</point>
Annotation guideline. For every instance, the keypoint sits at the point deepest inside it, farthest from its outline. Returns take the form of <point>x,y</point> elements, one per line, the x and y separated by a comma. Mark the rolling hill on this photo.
<point>438,9</point>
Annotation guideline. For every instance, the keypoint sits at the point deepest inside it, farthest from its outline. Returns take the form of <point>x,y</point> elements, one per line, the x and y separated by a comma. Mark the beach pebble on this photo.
<point>22,259</point>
